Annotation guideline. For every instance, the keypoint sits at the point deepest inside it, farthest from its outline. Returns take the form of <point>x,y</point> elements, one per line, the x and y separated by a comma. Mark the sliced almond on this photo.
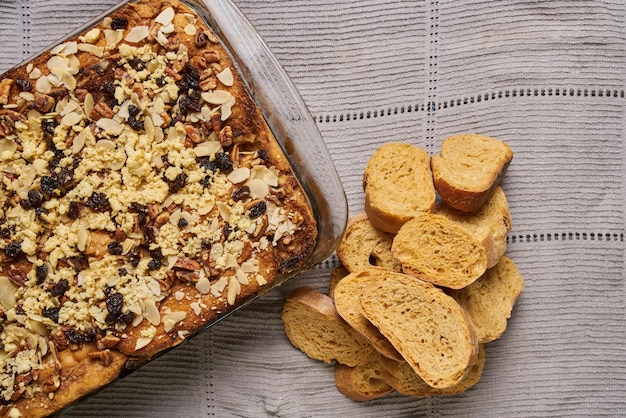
<point>217,97</point>
<point>239,175</point>
<point>137,34</point>
<point>226,77</point>
<point>165,17</point>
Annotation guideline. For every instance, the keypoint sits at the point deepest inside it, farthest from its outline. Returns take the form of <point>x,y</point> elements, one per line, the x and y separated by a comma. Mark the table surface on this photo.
<point>546,77</point>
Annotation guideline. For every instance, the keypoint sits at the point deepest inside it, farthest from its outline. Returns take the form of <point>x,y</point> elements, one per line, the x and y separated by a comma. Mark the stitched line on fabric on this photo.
<point>469,100</point>
<point>566,236</point>
<point>25,28</point>
<point>208,370</point>
<point>432,93</point>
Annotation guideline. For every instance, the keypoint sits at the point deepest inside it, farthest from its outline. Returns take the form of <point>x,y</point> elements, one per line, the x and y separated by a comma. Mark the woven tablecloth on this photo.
<point>547,77</point>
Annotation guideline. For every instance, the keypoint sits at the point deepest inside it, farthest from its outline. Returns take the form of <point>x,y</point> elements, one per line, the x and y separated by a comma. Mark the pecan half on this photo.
<point>5,90</point>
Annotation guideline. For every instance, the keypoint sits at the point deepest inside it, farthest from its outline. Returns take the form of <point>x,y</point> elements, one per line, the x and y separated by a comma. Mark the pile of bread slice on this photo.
<point>424,281</point>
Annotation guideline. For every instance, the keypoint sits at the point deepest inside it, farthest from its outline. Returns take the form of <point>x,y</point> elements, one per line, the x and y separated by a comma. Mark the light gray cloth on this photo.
<point>545,76</point>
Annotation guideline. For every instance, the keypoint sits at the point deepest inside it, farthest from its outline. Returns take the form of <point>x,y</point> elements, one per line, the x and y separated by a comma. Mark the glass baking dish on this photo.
<point>287,117</point>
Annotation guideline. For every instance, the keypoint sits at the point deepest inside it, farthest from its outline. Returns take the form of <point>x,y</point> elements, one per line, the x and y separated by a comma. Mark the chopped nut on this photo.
<point>5,90</point>
<point>101,110</point>
<point>226,137</point>
<point>43,102</point>
<point>211,56</point>
<point>104,356</point>
<point>187,264</point>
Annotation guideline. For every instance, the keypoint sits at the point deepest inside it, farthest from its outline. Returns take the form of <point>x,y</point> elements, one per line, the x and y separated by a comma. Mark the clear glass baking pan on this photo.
<point>287,117</point>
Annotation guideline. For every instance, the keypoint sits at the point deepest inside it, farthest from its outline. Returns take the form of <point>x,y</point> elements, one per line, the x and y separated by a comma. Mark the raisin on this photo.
<point>52,313</point>
<point>73,336</point>
<point>241,193</point>
<point>160,81</point>
<point>205,245</point>
<point>90,336</point>
<point>49,186</point>
<point>122,271</point>
<point>125,318</point>
<point>149,234</point>
<point>176,184</point>
<point>263,155</point>
<point>134,123</point>
<point>206,181</point>
<point>156,254</point>
<point>142,218</point>
<point>115,248</point>
<point>41,272</point>
<point>119,23</point>
<point>189,104</point>
<point>137,207</point>
<point>227,230</point>
<point>98,202</point>
<point>23,84</point>
<point>25,204</point>
<point>39,212</point>
<point>224,163</point>
<point>35,198</point>
<point>60,288</point>
<point>114,302</point>
<point>13,249</point>
<point>182,222</point>
<point>64,177</point>
<point>73,211</point>
<point>133,258</point>
<point>257,210</point>
<point>133,110</point>
<point>48,125</point>
<point>190,79</point>
<point>207,165</point>
<point>137,64</point>
<point>154,264</point>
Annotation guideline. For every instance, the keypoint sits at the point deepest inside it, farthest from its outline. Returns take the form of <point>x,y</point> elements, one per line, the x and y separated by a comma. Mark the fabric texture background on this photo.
<point>545,76</point>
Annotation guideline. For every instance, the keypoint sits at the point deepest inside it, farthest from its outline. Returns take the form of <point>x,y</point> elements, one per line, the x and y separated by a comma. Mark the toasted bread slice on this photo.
<point>346,296</point>
<point>489,300</point>
<point>469,168</point>
<point>336,275</point>
<point>489,224</point>
<point>362,383</point>
<point>398,185</point>
<point>403,378</point>
<point>433,248</point>
<point>313,325</point>
<point>429,328</point>
<point>363,246</point>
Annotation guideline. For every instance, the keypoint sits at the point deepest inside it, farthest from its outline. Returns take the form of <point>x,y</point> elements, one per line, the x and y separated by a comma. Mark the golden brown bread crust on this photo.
<point>144,196</point>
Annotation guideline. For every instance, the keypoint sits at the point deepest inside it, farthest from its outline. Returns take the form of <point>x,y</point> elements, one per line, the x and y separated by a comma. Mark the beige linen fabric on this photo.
<point>545,76</point>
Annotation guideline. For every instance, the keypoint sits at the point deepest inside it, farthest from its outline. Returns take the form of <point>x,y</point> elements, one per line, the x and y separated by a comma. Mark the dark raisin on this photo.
<point>90,336</point>
<point>206,181</point>
<point>125,318</point>
<point>115,248</point>
<point>205,245</point>
<point>98,202</point>
<point>78,263</point>
<point>73,212</point>
<point>60,288</point>
<point>263,155</point>
<point>149,234</point>
<point>207,165</point>
<point>241,193</point>
<point>23,84</point>
<point>137,207</point>
<point>156,254</point>
<point>160,81</point>
<point>154,264</point>
<point>137,64</point>
<point>227,230</point>
<point>73,336</point>
<point>190,79</point>
<point>109,91</point>
<point>52,313</point>
<point>189,104</point>
<point>122,271</point>
<point>134,257</point>
<point>257,210</point>
<point>48,126</point>
<point>13,249</point>
<point>201,39</point>
<point>114,303</point>
<point>134,123</point>
<point>119,23</point>
<point>7,231</point>
<point>49,186</point>
<point>176,184</point>
<point>25,204</point>
<point>35,198</point>
<point>182,222</point>
<point>40,212</point>
<point>133,110</point>
<point>41,272</point>
<point>224,162</point>
<point>64,177</point>
<point>142,218</point>
<point>166,160</point>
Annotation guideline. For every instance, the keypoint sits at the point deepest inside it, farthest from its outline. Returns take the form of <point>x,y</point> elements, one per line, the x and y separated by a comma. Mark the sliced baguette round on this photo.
<point>489,300</point>
<point>469,168</point>
<point>362,383</point>
<point>346,297</point>
<point>427,327</point>
<point>398,185</point>
<point>336,275</point>
<point>433,248</point>
<point>313,325</point>
<point>402,377</point>
<point>363,246</point>
<point>489,224</point>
